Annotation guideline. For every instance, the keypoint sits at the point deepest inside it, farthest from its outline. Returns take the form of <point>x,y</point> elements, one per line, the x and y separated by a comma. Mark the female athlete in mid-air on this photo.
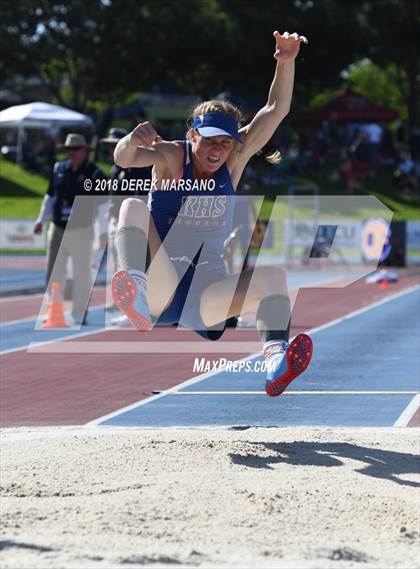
<point>184,280</point>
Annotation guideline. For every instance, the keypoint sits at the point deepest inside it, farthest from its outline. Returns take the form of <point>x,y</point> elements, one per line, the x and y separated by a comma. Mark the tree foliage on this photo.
<point>387,86</point>
<point>92,51</point>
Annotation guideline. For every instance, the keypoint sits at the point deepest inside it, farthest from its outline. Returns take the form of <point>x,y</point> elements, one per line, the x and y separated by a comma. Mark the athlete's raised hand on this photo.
<point>287,45</point>
<point>144,135</point>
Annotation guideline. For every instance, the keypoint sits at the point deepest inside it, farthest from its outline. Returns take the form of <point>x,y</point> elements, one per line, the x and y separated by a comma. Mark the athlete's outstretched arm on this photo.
<point>259,131</point>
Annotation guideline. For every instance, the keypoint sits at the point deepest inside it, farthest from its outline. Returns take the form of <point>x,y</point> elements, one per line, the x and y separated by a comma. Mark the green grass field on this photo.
<point>22,192</point>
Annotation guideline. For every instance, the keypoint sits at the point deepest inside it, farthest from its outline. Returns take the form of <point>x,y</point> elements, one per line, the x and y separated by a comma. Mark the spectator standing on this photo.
<point>347,171</point>
<point>404,177</point>
<point>374,133</point>
<point>362,150</point>
<point>67,182</point>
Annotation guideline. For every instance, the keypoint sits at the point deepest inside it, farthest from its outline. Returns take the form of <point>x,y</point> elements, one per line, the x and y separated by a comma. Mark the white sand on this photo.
<point>289,497</point>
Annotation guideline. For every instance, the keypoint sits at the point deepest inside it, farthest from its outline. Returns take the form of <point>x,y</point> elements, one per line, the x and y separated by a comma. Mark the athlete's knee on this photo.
<point>133,212</point>
<point>132,204</point>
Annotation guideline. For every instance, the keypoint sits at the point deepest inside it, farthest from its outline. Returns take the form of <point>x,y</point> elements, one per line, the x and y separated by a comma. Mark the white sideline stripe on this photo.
<point>58,347</point>
<point>5,299</point>
<point>290,392</point>
<point>146,347</point>
<point>32,319</point>
<point>364,309</point>
<point>253,356</point>
<point>41,294</point>
<point>18,321</point>
<point>186,383</point>
<point>408,412</point>
<point>21,320</point>
<point>34,345</point>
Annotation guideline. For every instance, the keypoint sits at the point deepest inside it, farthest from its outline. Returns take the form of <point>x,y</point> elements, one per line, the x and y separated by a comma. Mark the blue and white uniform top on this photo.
<point>195,218</point>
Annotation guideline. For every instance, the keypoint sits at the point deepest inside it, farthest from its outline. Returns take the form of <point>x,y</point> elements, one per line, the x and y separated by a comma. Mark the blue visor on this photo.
<point>216,124</point>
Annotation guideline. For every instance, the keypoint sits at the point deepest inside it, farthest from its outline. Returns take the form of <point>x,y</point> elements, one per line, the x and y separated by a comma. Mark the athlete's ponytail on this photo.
<point>274,157</point>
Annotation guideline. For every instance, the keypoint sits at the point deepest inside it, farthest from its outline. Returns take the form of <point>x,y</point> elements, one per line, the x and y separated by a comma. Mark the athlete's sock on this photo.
<point>273,318</point>
<point>131,244</point>
<point>274,349</point>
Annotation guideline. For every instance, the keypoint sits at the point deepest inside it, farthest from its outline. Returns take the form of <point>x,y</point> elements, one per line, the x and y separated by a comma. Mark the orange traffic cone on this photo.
<point>55,316</point>
<point>384,283</point>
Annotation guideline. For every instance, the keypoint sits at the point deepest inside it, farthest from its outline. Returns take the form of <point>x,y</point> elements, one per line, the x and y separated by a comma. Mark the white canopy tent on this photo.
<point>41,115</point>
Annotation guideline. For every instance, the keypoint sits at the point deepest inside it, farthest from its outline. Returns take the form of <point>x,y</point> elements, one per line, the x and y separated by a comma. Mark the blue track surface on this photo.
<point>21,279</point>
<point>373,351</point>
<point>19,335</point>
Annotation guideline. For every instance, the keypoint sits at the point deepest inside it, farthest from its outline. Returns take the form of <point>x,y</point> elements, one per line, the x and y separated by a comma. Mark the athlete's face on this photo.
<point>211,152</point>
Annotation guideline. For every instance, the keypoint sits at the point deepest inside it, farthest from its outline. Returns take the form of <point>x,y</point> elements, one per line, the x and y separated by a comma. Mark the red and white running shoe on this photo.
<point>129,294</point>
<point>293,359</point>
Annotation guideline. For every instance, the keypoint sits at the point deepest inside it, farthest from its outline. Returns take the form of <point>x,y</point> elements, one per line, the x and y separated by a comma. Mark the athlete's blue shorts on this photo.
<point>185,306</point>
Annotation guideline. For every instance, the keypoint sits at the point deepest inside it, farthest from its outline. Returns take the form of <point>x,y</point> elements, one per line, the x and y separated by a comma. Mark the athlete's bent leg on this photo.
<point>265,288</point>
<point>231,297</point>
<point>131,293</point>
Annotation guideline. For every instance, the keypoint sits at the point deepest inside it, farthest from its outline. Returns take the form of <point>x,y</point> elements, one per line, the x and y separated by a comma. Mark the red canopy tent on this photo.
<point>348,106</point>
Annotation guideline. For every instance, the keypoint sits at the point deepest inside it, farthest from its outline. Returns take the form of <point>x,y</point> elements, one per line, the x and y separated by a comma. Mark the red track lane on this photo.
<point>23,262</point>
<point>55,389</point>
<point>12,308</point>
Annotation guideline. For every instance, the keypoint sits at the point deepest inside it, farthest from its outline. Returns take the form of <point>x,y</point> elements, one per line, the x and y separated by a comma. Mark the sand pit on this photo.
<point>290,497</point>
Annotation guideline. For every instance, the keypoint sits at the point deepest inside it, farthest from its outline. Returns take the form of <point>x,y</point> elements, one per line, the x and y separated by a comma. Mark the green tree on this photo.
<point>386,86</point>
<point>93,50</point>
<point>103,51</point>
<point>393,27</point>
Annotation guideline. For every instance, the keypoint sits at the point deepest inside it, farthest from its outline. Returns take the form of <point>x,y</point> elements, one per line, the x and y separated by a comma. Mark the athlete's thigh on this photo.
<point>223,299</point>
<point>162,278</point>
<point>232,296</point>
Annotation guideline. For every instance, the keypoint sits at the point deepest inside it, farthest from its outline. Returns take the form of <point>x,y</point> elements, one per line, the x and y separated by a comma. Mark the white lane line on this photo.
<point>149,347</point>
<point>34,318</point>
<point>193,380</point>
<point>408,412</point>
<point>174,389</point>
<point>13,322</point>
<point>290,392</point>
<point>34,345</point>
<point>364,309</point>
<point>7,299</point>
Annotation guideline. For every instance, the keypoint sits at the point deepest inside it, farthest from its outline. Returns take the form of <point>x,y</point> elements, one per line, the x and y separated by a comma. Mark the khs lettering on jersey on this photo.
<point>203,207</point>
